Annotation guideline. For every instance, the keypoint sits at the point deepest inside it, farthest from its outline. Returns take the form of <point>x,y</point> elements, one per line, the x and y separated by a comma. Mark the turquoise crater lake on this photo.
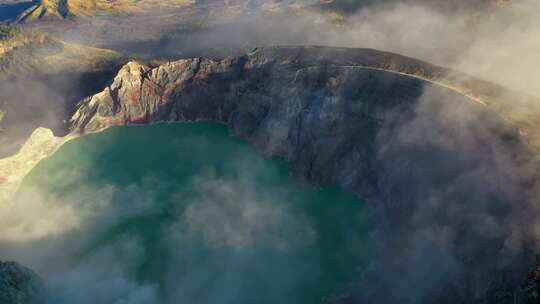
<point>184,213</point>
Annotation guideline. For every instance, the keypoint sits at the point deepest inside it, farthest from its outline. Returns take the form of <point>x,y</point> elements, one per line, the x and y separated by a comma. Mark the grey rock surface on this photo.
<point>450,183</point>
<point>18,284</point>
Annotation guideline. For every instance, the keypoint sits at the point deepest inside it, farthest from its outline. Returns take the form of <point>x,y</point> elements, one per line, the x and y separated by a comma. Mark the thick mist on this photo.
<point>459,202</point>
<point>495,41</point>
<point>101,232</point>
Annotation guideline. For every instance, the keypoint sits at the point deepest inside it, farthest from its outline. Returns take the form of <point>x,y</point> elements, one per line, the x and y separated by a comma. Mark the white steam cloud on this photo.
<point>229,216</point>
<point>51,234</point>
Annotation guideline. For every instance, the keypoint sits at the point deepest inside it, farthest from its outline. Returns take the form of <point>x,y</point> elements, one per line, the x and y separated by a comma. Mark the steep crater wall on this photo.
<point>452,185</point>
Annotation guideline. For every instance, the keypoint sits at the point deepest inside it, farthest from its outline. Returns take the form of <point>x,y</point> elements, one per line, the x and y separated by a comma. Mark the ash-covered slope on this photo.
<point>41,78</point>
<point>451,184</point>
<point>28,52</point>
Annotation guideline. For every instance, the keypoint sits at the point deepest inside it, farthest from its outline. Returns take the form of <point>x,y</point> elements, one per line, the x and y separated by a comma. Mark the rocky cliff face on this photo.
<point>519,110</point>
<point>18,285</point>
<point>451,184</point>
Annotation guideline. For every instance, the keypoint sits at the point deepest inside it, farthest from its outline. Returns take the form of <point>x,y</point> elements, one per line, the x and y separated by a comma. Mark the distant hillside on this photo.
<point>27,51</point>
<point>53,10</point>
<point>64,9</point>
<point>41,76</point>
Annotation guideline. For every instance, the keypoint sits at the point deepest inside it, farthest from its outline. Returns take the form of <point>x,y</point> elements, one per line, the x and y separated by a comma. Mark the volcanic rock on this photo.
<point>18,284</point>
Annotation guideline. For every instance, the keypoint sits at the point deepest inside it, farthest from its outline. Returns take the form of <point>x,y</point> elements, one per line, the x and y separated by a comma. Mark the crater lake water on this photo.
<point>184,213</point>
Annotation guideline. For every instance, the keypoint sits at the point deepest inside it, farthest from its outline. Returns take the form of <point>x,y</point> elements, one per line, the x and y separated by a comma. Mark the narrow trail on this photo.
<point>441,84</point>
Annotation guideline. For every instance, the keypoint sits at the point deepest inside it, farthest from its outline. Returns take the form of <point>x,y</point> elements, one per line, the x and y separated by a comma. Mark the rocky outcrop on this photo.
<point>451,184</point>
<point>18,285</point>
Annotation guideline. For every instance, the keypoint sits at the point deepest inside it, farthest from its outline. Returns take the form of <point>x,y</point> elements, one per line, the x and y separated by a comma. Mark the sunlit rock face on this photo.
<point>18,285</point>
<point>451,183</point>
